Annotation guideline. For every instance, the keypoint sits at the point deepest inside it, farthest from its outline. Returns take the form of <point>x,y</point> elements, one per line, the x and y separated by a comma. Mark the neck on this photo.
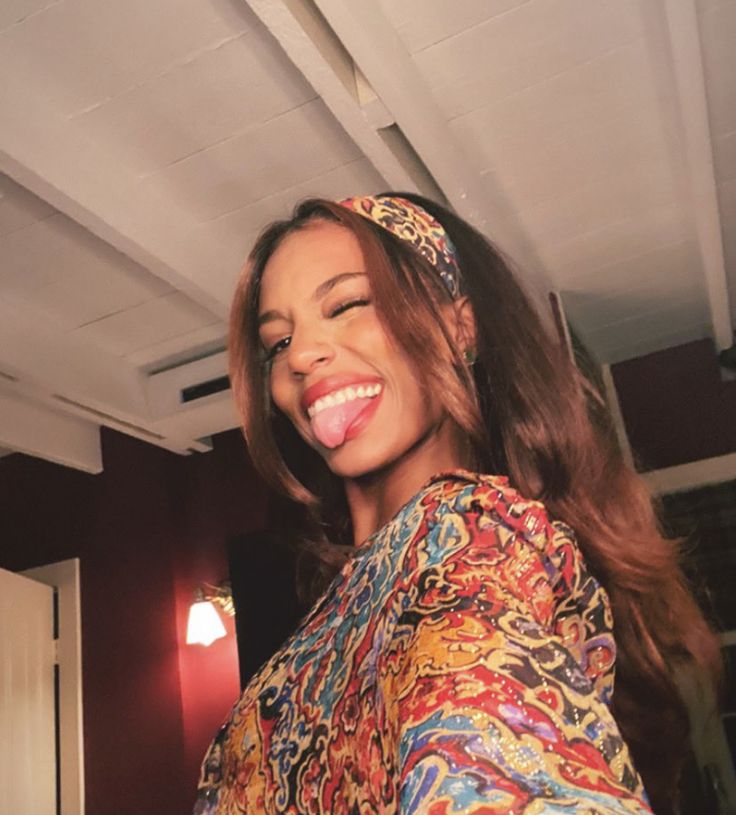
<point>374,498</point>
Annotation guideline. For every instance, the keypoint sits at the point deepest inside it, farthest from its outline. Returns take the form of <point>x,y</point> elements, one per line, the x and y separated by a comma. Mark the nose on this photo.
<point>308,349</point>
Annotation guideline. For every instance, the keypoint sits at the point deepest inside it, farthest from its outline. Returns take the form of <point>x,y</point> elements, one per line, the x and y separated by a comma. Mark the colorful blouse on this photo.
<point>461,663</point>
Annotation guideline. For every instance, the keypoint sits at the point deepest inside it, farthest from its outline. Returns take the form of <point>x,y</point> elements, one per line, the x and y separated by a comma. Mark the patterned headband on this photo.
<point>415,225</point>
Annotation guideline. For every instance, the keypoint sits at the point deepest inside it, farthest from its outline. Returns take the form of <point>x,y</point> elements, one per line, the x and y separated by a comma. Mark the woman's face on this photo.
<point>334,371</point>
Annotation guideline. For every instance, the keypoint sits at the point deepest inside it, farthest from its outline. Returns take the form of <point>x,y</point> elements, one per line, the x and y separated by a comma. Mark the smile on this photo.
<point>342,396</point>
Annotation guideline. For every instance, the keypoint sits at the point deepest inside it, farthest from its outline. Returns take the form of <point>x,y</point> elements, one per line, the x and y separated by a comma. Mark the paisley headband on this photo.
<point>415,225</point>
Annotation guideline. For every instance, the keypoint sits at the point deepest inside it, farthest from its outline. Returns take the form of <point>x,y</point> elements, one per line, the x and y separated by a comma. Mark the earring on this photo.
<point>469,355</point>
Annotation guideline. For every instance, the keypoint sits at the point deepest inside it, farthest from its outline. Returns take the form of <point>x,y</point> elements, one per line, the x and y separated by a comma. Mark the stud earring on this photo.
<point>469,355</point>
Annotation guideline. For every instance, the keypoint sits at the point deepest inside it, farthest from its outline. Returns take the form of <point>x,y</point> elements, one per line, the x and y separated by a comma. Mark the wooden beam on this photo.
<point>312,46</point>
<point>692,475</point>
<point>375,46</point>
<point>687,64</point>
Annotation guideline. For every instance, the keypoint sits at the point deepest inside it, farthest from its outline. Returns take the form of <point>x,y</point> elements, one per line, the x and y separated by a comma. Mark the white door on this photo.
<point>27,697</point>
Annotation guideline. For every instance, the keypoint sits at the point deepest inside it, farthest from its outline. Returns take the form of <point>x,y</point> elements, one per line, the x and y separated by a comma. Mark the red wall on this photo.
<point>675,405</point>
<point>148,530</point>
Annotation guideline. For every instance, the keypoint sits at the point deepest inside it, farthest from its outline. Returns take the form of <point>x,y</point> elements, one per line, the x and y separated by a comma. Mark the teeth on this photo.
<point>342,396</point>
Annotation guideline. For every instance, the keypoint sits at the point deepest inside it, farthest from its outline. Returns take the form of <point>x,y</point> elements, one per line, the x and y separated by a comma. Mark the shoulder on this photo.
<point>475,534</point>
<point>481,525</point>
<point>490,500</point>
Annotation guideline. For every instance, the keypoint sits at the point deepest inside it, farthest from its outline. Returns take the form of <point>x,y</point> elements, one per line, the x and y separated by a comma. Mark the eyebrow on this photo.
<point>321,291</point>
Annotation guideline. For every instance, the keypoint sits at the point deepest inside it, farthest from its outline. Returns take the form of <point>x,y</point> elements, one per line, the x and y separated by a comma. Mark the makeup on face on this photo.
<point>334,371</point>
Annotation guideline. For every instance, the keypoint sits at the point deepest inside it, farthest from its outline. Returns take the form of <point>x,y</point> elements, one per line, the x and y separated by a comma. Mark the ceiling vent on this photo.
<point>193,383</point>
<point>193,392</point>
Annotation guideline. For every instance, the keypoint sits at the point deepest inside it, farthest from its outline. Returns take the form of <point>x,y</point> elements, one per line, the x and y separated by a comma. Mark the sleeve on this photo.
<point>490,713</point>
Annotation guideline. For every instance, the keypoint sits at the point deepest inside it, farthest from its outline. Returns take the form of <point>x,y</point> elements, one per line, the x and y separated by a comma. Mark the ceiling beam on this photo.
<point>687,65</point>
<point>692,475</point>
<point>53,158</point>
<point>380,54</point>
<point>314,49</point>
<point>55,362</point>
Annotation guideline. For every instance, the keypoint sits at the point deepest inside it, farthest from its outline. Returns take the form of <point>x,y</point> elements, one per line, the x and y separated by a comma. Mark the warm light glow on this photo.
<point>205,625</point>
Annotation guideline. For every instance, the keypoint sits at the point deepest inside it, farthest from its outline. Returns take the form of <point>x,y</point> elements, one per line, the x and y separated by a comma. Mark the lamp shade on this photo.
<point>204,625</point>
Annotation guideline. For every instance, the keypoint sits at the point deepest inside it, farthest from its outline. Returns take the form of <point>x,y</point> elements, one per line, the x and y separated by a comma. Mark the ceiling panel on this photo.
<point>420,27</point>
<point>592,312</point>
<point>79,53</point>
<point>147,324</point>
<point>239,229</point>
<point>15,11</point>
<point>587,252</point>
<point>625,347</point>
<point>300,145</point>
<point>616,86</point>
<point>629,193</point>
<point>669,320</point>
<point>724,153</point>
<point>528,45</point>
<point>198,103</point>
<point>666,269</point>
<point>577,160</point>
<point>705,5</point>
<point>605,307</point>
<point>71,276</point>
<point>18,207</point>
<point>727,198</point>
<point>181,348</point>
<point>718,35</point>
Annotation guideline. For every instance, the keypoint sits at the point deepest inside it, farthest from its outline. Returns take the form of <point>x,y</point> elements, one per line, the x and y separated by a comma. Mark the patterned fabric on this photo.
<point>415,225</point>
<point>461,663</point>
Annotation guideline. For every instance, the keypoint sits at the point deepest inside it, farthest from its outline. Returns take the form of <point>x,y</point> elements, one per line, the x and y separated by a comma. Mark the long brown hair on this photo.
<point>529,414</point>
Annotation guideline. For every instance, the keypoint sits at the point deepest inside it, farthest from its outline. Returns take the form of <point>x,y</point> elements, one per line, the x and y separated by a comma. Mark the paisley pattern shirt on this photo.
<point>461,663</point>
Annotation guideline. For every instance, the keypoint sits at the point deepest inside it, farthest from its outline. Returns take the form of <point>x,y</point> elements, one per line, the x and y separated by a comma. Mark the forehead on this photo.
<point>308,257</point>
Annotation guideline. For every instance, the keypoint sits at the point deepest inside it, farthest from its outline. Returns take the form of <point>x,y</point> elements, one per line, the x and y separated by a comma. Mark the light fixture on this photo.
<point>204,625</point>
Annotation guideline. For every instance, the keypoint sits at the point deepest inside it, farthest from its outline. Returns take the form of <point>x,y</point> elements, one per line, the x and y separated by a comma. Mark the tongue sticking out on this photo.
<point>331,424</point>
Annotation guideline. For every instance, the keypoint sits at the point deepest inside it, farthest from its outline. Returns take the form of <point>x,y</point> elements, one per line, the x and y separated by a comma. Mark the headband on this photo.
<point>416,226</point>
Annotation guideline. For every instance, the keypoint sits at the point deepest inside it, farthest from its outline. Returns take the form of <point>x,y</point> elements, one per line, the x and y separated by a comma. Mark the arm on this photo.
<point>491,713</point>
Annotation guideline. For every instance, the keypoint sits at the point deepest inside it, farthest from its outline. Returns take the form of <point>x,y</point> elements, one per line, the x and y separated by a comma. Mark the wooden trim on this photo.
<point>618,420</point>
<point>64,576</point>
<point>691,475</point>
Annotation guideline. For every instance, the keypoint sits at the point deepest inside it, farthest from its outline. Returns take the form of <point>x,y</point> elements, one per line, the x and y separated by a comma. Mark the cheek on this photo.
<point>279,390</point>
<point>367,336</point>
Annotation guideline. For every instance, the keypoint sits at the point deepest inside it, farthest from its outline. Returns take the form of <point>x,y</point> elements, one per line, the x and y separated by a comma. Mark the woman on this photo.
<point>393,378</point>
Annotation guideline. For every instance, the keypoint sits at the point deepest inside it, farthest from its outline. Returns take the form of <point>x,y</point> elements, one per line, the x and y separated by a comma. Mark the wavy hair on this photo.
<point>529,413</point>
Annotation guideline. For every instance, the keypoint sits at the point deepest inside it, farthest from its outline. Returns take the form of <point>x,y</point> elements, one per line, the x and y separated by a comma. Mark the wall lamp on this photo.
<point>205,625</point>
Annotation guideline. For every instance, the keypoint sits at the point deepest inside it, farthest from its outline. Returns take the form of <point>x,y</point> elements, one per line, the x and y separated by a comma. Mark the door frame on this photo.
<point>64,577</point>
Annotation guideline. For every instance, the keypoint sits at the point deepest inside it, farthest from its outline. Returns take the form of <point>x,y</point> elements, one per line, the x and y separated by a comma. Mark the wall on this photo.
<point>147,530</point>
<point>153,526</point>
<point>675,405</point>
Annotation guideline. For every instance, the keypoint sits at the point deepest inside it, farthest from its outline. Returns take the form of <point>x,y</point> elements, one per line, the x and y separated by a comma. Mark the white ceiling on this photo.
<point>144,145</point>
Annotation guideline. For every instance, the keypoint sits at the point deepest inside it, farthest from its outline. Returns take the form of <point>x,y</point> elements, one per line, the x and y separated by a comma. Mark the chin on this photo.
<point>355,463</point>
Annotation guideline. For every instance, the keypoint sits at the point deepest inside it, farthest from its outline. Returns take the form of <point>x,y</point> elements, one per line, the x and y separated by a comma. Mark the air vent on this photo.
<point>193,392</point>
<point>106,417</point>
<point>188,388</point>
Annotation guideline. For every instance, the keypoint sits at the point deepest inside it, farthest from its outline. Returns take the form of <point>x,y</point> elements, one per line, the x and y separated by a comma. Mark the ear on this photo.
<point>460,322</point>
